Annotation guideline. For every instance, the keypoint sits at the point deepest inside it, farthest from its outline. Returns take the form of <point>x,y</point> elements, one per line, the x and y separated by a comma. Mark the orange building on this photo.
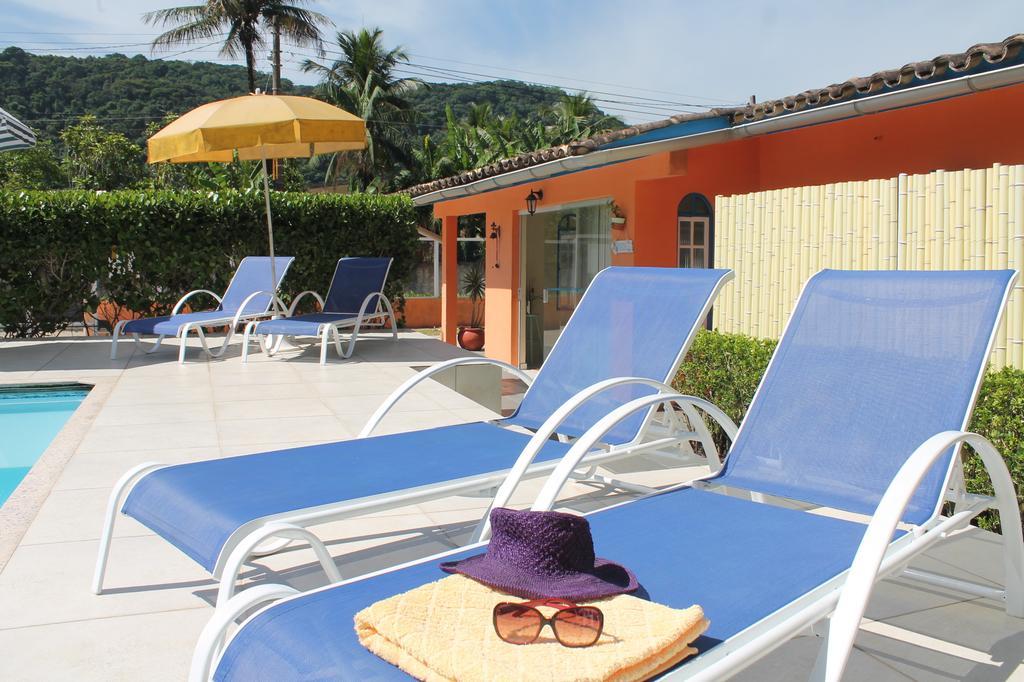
<point>645,195</point>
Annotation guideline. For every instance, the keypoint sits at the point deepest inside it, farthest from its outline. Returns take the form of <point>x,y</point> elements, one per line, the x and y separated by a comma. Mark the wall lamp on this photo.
<point>532,198</point>
<point>495,235</point>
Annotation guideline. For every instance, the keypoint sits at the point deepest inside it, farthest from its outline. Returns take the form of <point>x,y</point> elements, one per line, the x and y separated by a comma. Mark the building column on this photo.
<point>449,278</point>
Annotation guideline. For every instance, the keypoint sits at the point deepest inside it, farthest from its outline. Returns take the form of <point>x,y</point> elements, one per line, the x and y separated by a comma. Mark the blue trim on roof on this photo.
<point>683,129</point>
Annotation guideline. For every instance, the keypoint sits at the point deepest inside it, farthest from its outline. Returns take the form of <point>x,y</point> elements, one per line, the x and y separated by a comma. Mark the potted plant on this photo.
<point>618,217</point>
<point>474,284</point>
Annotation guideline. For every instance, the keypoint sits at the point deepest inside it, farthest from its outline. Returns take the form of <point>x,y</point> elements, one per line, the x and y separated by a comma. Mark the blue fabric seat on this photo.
<point>197,506</point>
<point>253,275</point>
<point>871,365</point>
<point>168,325</point>
<point>739,560</point>
<point>354,298</point>
<point>304,325</point>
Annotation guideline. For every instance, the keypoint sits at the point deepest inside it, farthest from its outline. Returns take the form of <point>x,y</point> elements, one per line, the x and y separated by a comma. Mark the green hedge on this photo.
<point>65,250</point>
<point>726,368</point>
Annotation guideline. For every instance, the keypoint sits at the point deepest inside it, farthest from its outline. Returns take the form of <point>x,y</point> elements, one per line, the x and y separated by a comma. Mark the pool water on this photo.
<point>30,417</point>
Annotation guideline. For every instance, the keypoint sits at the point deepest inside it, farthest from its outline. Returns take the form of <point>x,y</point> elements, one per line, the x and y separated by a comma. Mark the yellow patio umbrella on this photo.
<point>261,127</point>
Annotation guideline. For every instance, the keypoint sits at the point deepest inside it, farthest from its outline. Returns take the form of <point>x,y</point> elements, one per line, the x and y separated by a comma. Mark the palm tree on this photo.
<point>243,22</point>
<point>363,81</point>
<point>577,117</point>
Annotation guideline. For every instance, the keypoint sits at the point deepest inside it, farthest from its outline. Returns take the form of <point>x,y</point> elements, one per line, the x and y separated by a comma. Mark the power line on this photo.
<point>200,47</point>
<point>572,78</point>
<point>634,107</point>
<point>467,77</point>
<point>80,33</point>
<point>633,98</point>
<point>645,101</point>
<point>613,107</point>
<point>80,48</point>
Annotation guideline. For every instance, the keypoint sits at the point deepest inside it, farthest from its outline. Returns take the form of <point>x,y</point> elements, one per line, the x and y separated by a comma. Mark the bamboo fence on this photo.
<point>776,239</point>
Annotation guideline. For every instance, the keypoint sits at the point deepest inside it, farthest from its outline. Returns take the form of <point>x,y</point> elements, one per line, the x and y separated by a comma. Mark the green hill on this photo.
<point>504,97</point>
<point>126,94</point>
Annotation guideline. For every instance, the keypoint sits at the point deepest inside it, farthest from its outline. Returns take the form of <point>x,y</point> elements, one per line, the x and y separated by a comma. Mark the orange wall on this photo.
<point>965,132</point>
<point>421,312</point>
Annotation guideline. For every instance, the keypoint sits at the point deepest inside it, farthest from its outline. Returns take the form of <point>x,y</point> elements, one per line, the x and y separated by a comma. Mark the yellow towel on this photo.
<point>443,632</point>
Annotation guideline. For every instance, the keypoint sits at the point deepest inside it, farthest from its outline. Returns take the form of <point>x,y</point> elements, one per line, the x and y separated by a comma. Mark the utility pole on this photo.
<point>275,80</point>
<point>275,86</point>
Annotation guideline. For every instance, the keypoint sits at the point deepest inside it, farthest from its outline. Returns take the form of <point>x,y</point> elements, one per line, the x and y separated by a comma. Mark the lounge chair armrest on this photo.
<point>551,424</point>
<point>864,570</point>
<point>295,301</point>
<point>585,443</point>
<point>211,640</point>
<point>181,301</point>
<point>241,308</point>
<point>370,298</point>
<point>399,392</point>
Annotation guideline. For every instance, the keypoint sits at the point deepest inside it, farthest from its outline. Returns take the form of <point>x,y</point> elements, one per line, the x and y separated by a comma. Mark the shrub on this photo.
<point>144,249</point>
<point>726,368</point>
<point>55,249</point>
<point>999,416</point>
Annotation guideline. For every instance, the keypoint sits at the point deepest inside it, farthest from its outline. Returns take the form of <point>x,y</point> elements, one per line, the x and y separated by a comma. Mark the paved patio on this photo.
<point>149,408</point>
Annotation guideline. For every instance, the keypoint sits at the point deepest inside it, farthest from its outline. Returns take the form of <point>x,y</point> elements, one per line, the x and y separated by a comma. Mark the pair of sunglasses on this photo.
<point>574,626</point>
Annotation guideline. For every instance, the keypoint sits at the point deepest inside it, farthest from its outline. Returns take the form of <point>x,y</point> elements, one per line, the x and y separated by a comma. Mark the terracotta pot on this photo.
<point>471,338</point>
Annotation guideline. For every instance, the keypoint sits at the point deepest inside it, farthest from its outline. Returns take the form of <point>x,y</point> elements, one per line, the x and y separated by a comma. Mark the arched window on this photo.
<point>695,232</point>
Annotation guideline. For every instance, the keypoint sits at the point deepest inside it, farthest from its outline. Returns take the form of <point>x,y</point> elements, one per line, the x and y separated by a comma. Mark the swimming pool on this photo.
<point>30,417</point>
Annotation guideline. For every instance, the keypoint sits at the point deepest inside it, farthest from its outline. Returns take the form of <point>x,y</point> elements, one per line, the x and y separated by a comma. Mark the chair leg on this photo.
<point>353,337</point>
<point>1013,556</point>
<point>184,343</point>
<point>114,501</point>
<point>118,328</point>
<point>251,543</point>
<point>246,339</point>
<point>324,333</point>
<point>156,346</point>
<point>217,352</point>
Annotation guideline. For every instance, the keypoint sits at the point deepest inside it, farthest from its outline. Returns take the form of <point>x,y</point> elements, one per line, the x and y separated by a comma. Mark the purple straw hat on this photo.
<point>544,555</point>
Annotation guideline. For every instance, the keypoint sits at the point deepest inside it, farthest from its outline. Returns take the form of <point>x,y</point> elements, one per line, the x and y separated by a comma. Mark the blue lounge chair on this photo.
<point>221,512</point>
<point>863,409</point>
<point>247,298</point>
<point>354,300</point>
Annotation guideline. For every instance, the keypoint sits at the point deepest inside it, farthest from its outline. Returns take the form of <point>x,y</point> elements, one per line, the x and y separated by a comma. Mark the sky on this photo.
<point>642,60</point>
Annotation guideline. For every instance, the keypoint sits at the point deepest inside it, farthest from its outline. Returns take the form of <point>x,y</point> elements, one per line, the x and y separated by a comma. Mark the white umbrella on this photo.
<point>14,134</point>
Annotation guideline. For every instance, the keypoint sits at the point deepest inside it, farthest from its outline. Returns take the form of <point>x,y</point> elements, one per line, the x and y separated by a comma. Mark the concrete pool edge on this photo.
<point>20,509</point>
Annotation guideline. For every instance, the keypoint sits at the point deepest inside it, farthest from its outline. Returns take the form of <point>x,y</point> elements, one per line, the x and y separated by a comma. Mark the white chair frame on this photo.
<point>252,539</point>
<point>232,321</point>
<point>841,601</point>
<point>270,534</point>
<point>329,332</point>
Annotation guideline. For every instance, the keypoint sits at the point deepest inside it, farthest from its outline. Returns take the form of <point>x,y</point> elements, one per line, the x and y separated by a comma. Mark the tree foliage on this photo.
<point>125,94</point>
<point>95,158</point>
<point>482,137</point>
<point>363,81</point>
<point>415,131</point>
<point>243,23</point>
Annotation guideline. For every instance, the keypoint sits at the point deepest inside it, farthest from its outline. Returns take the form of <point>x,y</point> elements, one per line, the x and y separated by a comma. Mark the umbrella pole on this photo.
<point>270,231</point>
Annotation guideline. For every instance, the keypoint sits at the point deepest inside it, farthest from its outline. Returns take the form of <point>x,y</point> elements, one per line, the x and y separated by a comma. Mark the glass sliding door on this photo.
<point>562,251</point>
